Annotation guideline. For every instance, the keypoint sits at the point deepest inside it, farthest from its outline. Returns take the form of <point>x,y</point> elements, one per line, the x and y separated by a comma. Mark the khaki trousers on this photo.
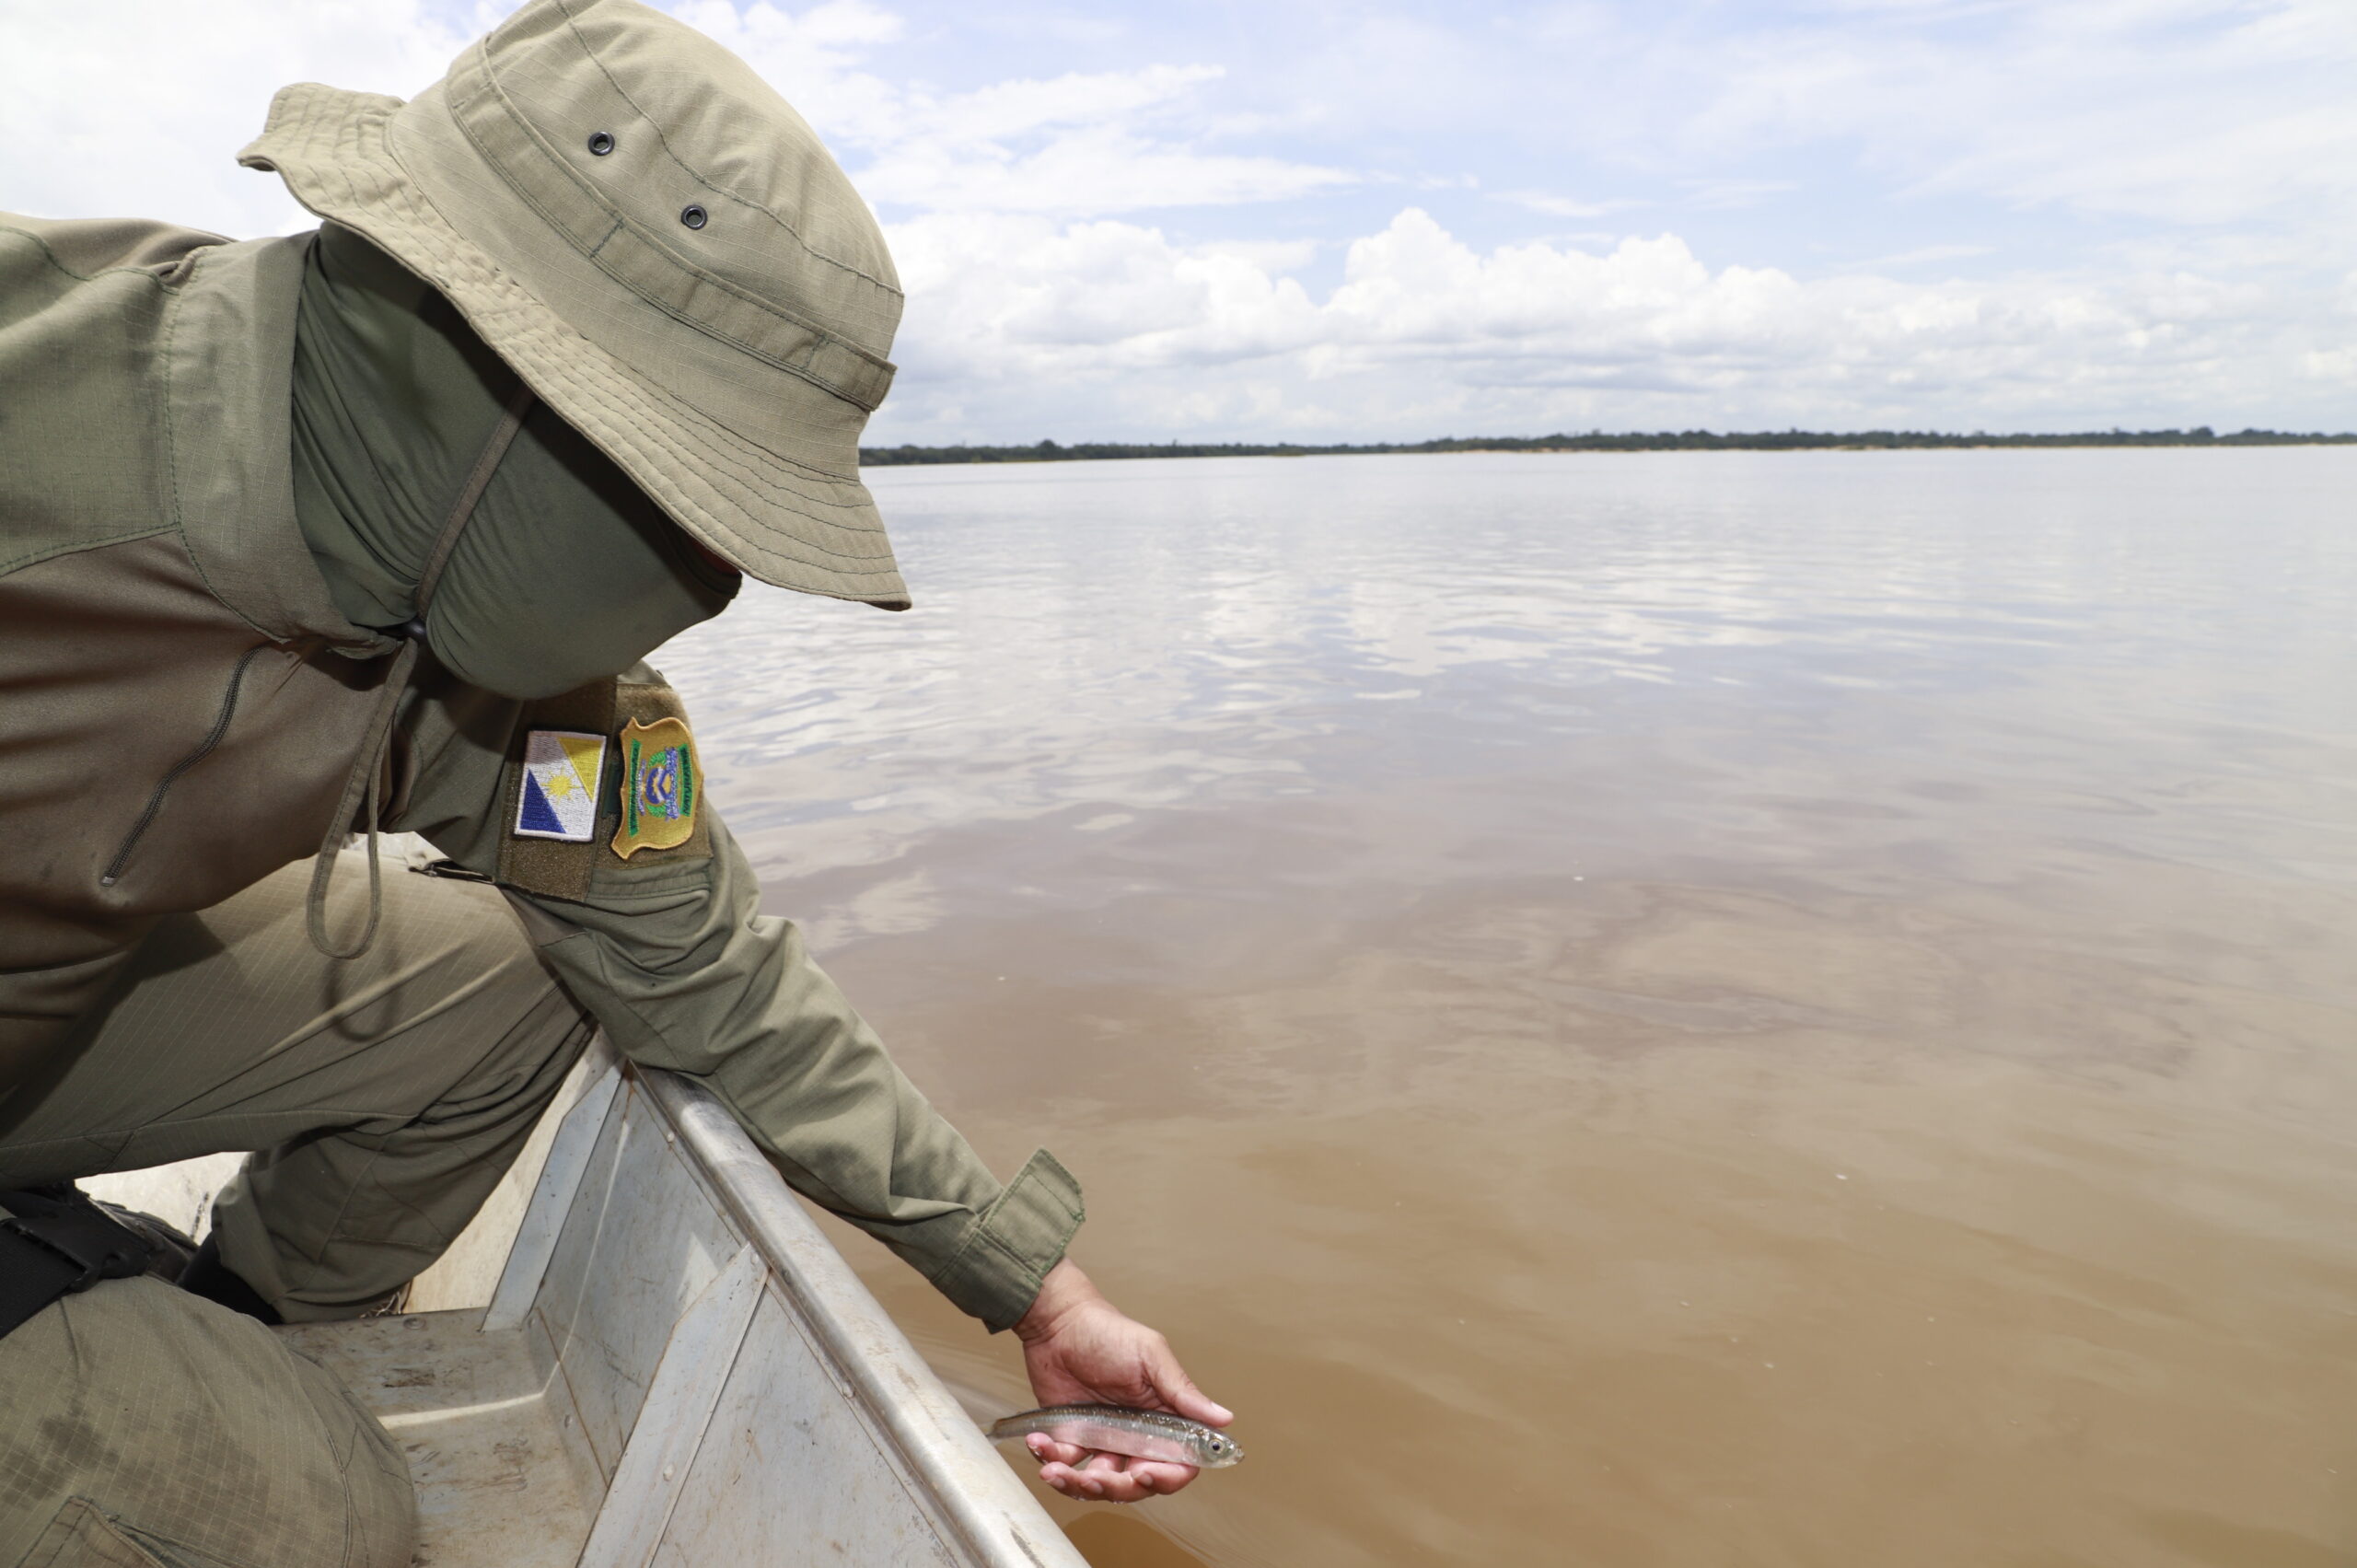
<point>142,1427</point>
<point>382,1098</point>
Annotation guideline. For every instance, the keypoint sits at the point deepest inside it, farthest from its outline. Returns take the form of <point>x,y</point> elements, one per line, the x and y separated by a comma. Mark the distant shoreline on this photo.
<point>1597,441</point>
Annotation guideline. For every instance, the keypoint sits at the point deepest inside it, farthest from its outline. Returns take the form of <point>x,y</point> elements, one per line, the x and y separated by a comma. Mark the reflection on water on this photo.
<point>1671,1009</point>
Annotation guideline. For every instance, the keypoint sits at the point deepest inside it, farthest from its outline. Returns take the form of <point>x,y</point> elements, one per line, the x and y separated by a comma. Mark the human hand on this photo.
<point>1080,1349</point>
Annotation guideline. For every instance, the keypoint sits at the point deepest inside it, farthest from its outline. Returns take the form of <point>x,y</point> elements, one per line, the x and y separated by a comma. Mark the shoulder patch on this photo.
<point>660,781</point>
<point>559,795</point>
<point>555,790</point>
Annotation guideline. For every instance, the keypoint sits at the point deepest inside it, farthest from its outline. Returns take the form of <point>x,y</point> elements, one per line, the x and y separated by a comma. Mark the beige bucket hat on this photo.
<point>660,246</point>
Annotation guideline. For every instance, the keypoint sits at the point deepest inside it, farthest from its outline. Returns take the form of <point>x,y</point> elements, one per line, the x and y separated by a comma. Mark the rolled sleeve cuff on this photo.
<point>995,1273</point>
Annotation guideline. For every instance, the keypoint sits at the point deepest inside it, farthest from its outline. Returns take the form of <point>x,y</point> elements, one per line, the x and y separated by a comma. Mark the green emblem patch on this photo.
<point>660,781</point>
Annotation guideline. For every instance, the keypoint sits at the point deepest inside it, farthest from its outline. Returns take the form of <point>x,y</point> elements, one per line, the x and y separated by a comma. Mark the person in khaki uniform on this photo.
<point>370,529</point>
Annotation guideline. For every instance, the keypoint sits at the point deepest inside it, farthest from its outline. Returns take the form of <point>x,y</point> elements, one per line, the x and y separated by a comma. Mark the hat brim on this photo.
<point>779,516</point>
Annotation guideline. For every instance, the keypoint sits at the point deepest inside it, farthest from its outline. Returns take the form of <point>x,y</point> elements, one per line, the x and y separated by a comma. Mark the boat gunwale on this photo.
<point>942,1455</point>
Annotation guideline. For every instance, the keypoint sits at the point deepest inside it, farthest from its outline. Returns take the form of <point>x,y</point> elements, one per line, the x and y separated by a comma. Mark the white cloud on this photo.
<point>1923,255</point>
<point>1556,206</point>
<point>2207,147</point>
<point>1425,332</point>
<point>140,106</point>
<point>1276,257</point>
<point>2185,110</point>
<point>811,58</point>
<point>1096,169</point>
<point>137,108</point>
<point>1079,143</point>
<point>1714,194</point>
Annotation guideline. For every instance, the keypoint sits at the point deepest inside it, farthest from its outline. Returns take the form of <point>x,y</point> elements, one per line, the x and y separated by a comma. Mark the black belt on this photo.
<point>54,1241</point>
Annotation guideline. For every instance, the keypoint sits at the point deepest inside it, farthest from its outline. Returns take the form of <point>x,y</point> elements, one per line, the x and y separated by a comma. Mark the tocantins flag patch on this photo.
<point>558,799</point>
<point>659,786</point>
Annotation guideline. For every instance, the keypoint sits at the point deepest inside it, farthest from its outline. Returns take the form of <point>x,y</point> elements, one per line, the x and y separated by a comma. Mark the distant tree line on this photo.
<point>1598,441</point>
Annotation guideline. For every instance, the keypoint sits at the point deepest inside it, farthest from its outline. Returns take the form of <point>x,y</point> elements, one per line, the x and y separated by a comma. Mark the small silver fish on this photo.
<point>1117,1429</point>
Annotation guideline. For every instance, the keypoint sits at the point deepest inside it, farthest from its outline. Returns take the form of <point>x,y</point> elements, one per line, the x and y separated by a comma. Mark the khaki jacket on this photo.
<point>180,706</point>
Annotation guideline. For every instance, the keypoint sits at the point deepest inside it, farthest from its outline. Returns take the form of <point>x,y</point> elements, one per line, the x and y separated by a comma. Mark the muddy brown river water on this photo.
<point>1630,1010</point>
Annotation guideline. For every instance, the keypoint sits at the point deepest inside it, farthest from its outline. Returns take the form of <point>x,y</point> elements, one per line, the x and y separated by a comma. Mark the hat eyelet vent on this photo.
<point>694,215</point>
<point>600,143</point>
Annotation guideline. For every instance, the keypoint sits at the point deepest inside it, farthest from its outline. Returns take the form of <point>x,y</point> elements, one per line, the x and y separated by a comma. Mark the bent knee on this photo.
<point>140,1413</point>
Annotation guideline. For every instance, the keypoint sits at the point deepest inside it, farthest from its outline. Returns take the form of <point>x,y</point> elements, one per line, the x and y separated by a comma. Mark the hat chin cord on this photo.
<point>367,776</point>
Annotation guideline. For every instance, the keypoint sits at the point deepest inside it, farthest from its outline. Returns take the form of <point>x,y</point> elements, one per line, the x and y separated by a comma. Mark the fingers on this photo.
<point>1177,1392</point>
<point>1049,1451</point>
<point>1160,1477</point>
<point>1116,1477</point>
<point>1091,1352</point>
<point>1073,1480</point>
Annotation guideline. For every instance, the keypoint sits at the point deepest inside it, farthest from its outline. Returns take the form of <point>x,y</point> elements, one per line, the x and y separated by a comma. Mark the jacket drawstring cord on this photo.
<point>367,776</point>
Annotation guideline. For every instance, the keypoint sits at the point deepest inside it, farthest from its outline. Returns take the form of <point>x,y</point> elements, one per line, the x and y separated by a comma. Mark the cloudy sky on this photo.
<point>1207,219</point>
